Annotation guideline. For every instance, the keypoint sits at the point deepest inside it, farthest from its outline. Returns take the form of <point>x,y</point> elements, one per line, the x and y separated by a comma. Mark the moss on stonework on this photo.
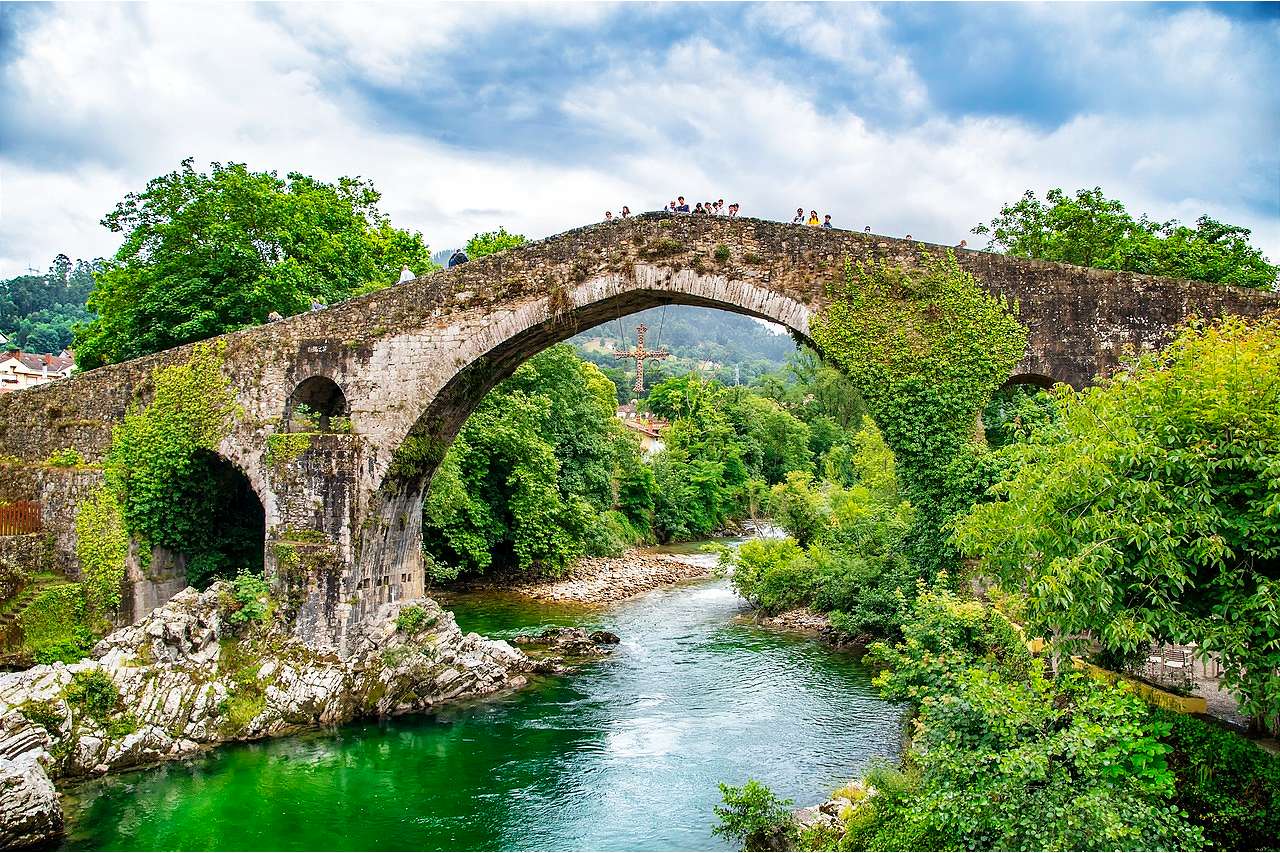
<point>285,447</point>
<point>416,455</point>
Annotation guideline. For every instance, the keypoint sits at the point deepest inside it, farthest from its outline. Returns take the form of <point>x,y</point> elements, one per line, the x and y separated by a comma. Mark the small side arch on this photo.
<point>317,399</point>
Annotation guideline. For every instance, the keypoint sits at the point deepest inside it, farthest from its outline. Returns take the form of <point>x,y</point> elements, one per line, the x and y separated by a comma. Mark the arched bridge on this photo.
<point>408,364</point>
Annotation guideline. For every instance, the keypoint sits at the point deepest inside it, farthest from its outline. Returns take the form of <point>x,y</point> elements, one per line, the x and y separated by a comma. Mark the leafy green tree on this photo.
<point>535,473</point>
<point>208,253</point>
<point>488,242</point>
<point>1093,231</point>
<point>1148,509</point>
<point>797,508</point>
<point>755,817</point>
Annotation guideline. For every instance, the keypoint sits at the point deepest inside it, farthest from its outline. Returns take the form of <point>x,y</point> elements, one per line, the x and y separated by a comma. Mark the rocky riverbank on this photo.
<point>606,580</point>
<point>185,678</point>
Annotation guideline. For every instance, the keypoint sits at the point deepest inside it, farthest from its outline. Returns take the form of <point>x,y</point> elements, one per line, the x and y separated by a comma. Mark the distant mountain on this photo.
<point>713,343</point>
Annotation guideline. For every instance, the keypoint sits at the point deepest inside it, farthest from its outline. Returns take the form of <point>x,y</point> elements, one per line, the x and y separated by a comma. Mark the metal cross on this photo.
<point>640,355</point>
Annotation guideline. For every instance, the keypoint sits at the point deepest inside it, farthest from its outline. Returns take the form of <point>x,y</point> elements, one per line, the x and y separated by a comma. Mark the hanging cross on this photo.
<point>640,354</point>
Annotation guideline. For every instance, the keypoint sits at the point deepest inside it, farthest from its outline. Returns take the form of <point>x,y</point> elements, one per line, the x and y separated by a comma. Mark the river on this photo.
<point>623,754</point>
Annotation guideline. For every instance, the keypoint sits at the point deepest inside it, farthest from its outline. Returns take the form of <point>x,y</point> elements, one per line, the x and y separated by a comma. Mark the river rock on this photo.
<point>186,679</point>
<point>29,809</point>
<point>605,580</point>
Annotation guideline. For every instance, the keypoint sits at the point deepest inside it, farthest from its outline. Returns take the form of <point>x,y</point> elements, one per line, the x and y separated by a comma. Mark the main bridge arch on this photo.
<point>409,364</point>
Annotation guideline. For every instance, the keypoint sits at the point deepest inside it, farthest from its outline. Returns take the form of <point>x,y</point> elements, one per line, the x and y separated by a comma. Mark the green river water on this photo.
<point>623,754</point>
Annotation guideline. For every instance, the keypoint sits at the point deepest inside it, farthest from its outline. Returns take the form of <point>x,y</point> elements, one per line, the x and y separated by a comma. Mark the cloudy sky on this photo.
<point>917,118</point>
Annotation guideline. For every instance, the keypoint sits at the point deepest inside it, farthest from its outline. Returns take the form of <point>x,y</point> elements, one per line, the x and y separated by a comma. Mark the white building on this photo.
<point>20,370</point>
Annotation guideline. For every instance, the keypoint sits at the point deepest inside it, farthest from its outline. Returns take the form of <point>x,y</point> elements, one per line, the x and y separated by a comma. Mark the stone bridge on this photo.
<point>408,364</point>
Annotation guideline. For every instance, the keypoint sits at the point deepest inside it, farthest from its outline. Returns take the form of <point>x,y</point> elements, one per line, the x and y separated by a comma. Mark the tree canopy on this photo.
<point>488,242</point>
<point>208,253</point>
<point>1148,508</point>
<point>1092,230</point>
<point>39,312</point>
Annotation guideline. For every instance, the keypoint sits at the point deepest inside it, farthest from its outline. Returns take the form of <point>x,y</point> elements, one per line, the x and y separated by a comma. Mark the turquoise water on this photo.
<point>623,754</point>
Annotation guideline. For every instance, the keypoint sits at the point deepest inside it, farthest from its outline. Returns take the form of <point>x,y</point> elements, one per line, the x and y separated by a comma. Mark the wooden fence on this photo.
<point>20,517</point>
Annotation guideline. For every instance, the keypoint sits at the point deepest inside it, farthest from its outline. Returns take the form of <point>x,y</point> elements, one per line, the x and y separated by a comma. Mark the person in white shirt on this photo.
<point>406,274</point>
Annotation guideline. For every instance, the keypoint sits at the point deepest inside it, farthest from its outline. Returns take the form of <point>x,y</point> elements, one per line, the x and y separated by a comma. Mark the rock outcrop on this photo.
<point>607,580</point>
<point>185,678</point>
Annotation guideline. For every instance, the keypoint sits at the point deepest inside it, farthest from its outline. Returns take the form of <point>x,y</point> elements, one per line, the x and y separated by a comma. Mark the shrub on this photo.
<point>722,253</point>
<point>93,694</point>
<point>755,817</point>
<point>250,599</point>
<point>55,624</point>
<point>1227,784</point>
<point>413,619</point>
<point>43,714</point>
<point>773,574</point>
<point>68,457</point>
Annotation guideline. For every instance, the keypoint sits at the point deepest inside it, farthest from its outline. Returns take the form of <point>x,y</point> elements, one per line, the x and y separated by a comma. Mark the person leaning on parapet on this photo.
<point>813,221</point>
<point>733,210</point>
<point>406,274</point>
<point>681,207</point>
<point>608,216</point>
<point>826,221</point>
<point>626,212</point>
<point>798,219</point>
<point>866,229</point>
<point>458,258</point>
<point>720,205</point>
<point>698,208</point>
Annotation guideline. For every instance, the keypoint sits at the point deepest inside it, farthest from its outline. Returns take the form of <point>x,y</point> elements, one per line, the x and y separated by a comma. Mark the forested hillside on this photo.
<point>38,311</point>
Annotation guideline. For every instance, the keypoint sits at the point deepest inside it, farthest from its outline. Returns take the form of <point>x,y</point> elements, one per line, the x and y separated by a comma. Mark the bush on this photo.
<point>67,457</point>
<point>773,574</point>
<point>250,599</point>
<point>93,694</point>
<point>755,817</point>
<point>413,619</point>
<point>55,624</point>
<point>1227,784</point>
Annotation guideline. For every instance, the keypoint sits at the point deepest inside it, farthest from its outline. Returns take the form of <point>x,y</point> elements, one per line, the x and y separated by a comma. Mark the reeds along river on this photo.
<point>623,754</point>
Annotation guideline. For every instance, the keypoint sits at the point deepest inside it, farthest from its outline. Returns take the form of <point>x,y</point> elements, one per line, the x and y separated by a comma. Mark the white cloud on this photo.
<point>140,87</point>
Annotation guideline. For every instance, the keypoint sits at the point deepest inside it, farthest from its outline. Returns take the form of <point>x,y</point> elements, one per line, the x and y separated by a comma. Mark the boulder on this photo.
<point>29,809</point>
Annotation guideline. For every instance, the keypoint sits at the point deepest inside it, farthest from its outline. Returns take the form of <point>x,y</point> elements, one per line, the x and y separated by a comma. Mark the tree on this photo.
<point>1094,231</point>
<point>1148,509</point>
<point>40,311</point>
<point>208,253</point>
<point>489,242</point>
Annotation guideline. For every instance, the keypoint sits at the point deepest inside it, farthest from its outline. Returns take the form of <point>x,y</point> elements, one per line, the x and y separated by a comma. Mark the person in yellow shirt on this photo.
<point>813,219</point>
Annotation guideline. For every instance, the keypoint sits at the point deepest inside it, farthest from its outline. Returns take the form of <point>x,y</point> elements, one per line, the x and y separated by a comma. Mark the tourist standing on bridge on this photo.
<point>608,216</point>
<point>798,219</point>
<point>626,212</point>
<point>733,210</point>
<point>681,207</point>
<point>457,259</point>
<point>697,208</point>
<point>826,221</point>
<point>406,274</point>
<point>813,222</point>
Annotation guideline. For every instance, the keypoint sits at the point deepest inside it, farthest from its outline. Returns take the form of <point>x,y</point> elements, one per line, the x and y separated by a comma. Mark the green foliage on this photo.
<point>174,491</point>
<point>533,472</point>
<point>39,312</point>
<point>1228,785</point>
<point>755,817</point>
<point>207,253</point>
<point>55,625</point>
<point>924,347</point>
<point>102,545</point>
<point>285,447</point>
<point>1003,758</point>
<point>721,253</point>
<point>414,618</point>
<point>43,714</point>
<point>489,242</point>
<point>1149,508</point>
<point>250,599</point>
<point>1094,231</point>
<point>67,457</point>
<point>773,574</point>
<point>93,694</point>
<point>797,508</point>
<point>1014,412</point>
